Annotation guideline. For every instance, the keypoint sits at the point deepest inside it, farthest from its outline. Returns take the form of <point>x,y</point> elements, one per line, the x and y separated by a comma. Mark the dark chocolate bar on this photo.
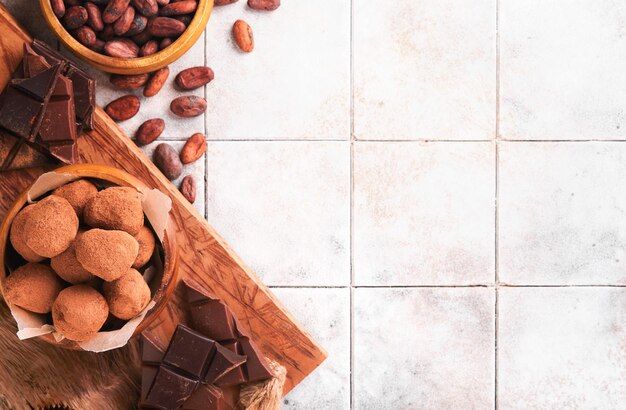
<point>170,389</point>
<point>206,397</point>
<point>224,360</point>
<point>189,351</point>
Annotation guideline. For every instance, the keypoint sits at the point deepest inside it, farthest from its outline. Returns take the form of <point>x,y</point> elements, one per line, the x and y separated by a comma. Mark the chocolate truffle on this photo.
<point>17,236</point>
<point>79,312</point>
<point>77,193</point>
<point>128,295</point>
<point>67,266</point>
<point>116,208</point>
<point>33,287</point>
<point>51,226</point>
<point>146,240</point>
<point>106,254</point>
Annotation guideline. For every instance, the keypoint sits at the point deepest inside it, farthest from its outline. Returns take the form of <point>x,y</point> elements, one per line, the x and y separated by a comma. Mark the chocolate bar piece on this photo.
<point>24,101</point>
<point>84,85</point>
<point>223,362</point>
<point>151,353</point>
<point>206,397</point>
<point>214,319</point>
<point>256,367</point>
<point>169,389</point>
<point>189,351</point>
<point>15,153</point>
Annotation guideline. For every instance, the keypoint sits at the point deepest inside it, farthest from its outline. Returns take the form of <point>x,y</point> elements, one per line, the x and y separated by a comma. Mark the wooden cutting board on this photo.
<point>203,254</point>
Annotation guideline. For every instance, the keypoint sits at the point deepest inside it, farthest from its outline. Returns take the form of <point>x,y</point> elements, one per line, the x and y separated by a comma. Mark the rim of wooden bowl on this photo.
<point>121,178</point>
<point>138,65</point>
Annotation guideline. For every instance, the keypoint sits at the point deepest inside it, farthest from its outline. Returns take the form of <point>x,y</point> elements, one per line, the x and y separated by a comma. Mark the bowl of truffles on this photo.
<point>88,257</point>
<point>124,36</point>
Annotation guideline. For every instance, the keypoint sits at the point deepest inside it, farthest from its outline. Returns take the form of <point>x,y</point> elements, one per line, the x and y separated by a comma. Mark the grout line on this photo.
<point>497,209</point>
<point>206,155</point>
<point>486,286</point>
<point>564,140</point>
<point>352,142</point>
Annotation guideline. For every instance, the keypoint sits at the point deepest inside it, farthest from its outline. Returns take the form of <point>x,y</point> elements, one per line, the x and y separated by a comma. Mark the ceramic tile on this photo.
<point>176,128</point>
<point>562,69</point>
<point>424,348</point>
<point>562,348</point>
<point>197,169</point>
<point>328,387</point>
<point>284,207</point>
<point>29,15</point>
<point>561,213</point>
<point>296,82</point>
<point>424,70</point>
<point>424,213</point>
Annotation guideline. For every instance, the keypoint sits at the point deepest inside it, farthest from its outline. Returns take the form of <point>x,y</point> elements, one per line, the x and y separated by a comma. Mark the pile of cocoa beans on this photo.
<point>165,156</point>
<point>125,28</point>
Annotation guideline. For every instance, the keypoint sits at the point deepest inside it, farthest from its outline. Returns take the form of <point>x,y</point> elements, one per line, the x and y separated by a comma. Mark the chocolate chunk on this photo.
<point>213,319</point>
<point>151,353</point>
<point>234,377</point>
<point>194,296</point>
<point>223,362</point>
<point>24,101</point>
<point>256,366</point>
<point>51,55</point>
<point>148,374</point>
<point>169,389</point>
<point>33,63</point>
<point>189,351</point>
<point>16,153</point>
<point>206,397</point>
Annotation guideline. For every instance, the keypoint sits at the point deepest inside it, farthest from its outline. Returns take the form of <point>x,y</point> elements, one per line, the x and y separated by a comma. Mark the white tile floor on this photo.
<point>433,188</point>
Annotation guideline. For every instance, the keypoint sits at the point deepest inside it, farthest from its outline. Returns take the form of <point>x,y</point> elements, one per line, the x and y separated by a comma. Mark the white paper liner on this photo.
<point>156,207</point>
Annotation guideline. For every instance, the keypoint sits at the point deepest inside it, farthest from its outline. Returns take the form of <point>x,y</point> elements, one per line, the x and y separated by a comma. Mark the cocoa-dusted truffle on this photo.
<point>79,312</point>
<point>51,226</point>
<point>67,266</point>
<point>106,254</point>
<point>17,236</point>
<point>77,193</point>
<point>128,295</point>
<point>116,208</point>
<point>146,240</point>
<point>33,287</point>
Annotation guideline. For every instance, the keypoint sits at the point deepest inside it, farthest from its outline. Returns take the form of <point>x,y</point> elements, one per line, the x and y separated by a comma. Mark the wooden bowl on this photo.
<point>116,177</point>
<point>138,65</point>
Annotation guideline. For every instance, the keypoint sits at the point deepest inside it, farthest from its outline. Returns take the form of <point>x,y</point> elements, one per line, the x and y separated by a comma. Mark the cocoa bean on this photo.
<point>98,46</point>
<point>194,149</point>
<point>138,25</point>
<point>188,106</point>
<point>148,8</point>
<point>179,8</point>
<point>122,24</point>
<point>188,188</point>
<point>143,37</point>
<point>194,77</point>
<point>94,17</point>
<point>123,108</point>
<point>266,5</point>
<point>156,82</point>
<point>121,48</point>
<point>107,33</point>
<point>166,27</point>
<point>114,10</point>
<point>166,159</point>
<point>58,7</point>
<point>149,48</point>
<point>86,36</point>
<point>75,17</point>
<point>149,131</point>
<point>166,42</point>
<point>128,82</point>
<point>242,33</point>
<point>162,2</point>
<point>223,2</point>
<point>185,19</point>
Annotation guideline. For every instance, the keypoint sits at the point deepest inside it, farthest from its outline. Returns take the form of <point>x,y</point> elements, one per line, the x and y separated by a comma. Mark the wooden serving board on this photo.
<point>203,254</point>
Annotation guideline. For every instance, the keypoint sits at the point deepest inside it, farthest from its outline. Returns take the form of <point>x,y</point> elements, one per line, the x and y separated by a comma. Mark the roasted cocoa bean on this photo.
<point>242,33</point>
<point>98,46</point>
<point>165,43</point>
<point>179,8</point>
<point>139,24</point>
<point>94,17</point>
<point>185,19</point>
<point>223,2</point>
<point>166,159</point>
<point>267,5</point>
<point>194,149</point>
<point>123,108</point>
<point>188,188</point>
<point>188,106</point>
<point>75,16</point>
<point>122,24</point>
<point>121,48</point>
<point>58,7</point>
<point>148,8</point>
<point>162,2</point>
<point>149,48</point>
<point>142,38</point>
<point>166,27</point>
<point>86,36</point>
<point>114,10</point>
<point>149,131</point>
<point>156,82</point>
<point>128,82</point>
<point>194,77</point>
<point>107,33</point>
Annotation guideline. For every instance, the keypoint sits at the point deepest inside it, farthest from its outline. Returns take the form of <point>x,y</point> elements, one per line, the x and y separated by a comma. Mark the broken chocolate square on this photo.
<point>151,353</point>
<point>223,362</point>
<point>206,397</point>
<point>169,389</point>
<point>189,351</point>
<point>213,319</point>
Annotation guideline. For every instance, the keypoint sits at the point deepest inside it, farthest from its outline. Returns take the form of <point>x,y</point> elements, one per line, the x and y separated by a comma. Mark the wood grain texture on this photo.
<point>204,257</point>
